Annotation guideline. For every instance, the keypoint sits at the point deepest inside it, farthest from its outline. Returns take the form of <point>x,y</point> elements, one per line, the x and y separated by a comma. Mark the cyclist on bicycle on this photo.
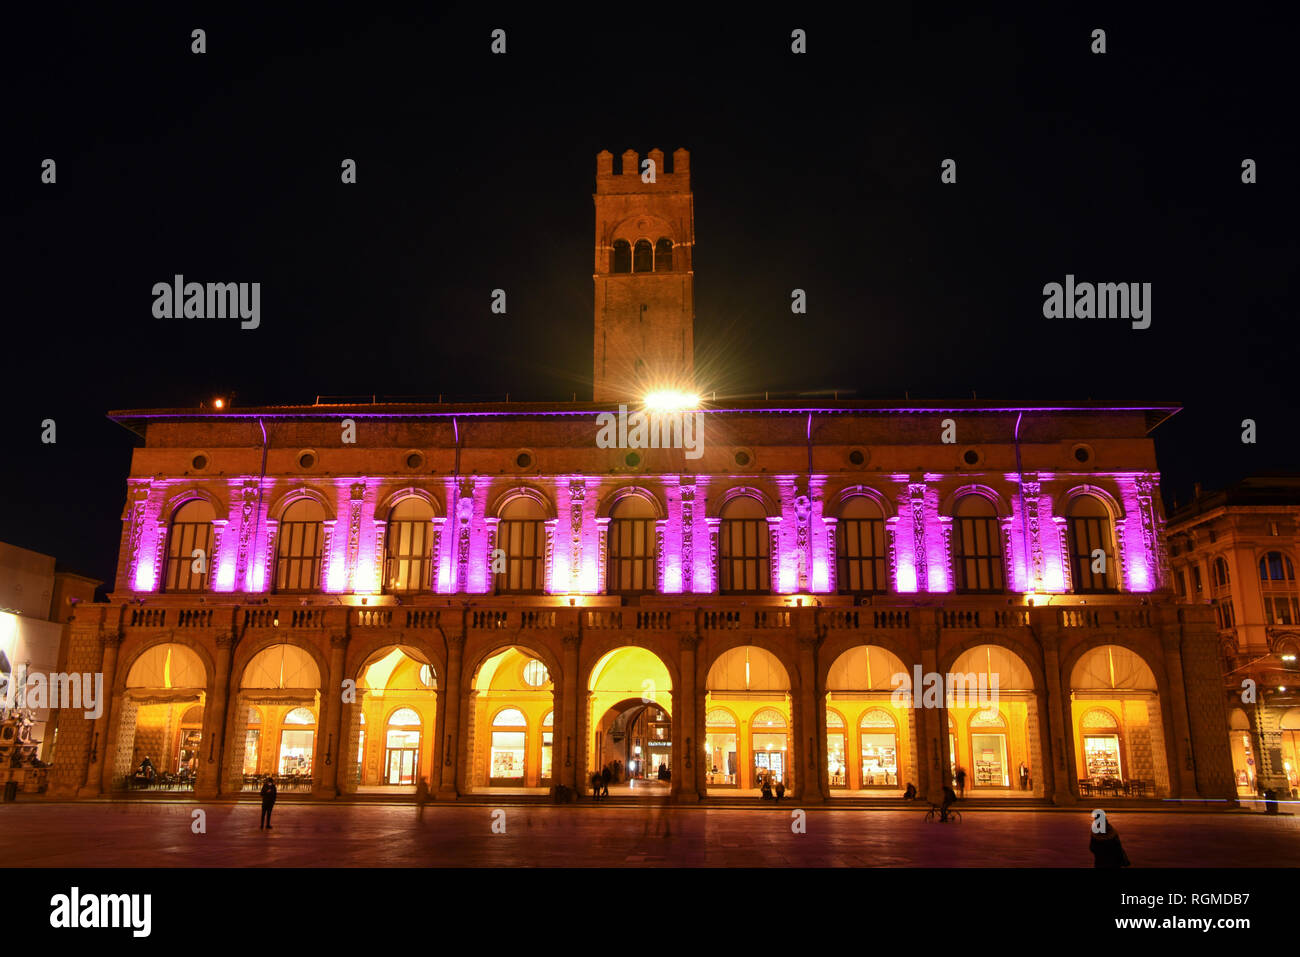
<point>949,797</point>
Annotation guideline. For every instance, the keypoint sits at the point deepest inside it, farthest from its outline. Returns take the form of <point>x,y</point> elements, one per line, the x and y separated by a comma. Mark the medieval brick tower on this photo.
<point>645,296</point>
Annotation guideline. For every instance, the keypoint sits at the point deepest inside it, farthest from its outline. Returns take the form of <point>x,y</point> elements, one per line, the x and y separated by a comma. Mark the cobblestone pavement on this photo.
<point>305,835</point>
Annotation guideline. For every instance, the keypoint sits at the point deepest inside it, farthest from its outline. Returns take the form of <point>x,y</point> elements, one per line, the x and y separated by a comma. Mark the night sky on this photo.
<point>476,172</point>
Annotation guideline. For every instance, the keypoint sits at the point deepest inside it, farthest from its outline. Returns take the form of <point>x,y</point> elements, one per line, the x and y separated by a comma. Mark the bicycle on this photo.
<point>936,814</point>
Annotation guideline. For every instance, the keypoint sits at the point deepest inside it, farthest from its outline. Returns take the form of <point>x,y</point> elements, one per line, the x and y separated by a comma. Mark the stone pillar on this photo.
<point>349,739</point>
<point>568,718</point>
<point>1178,736</point>
<point>452,701</point>
<point>933,753</point>
<point>1054,776</point>
<point>686,742</point>
<point>99,774</point>
<point>208,784</point>
<point>807,753</point>
<point>325,771</point>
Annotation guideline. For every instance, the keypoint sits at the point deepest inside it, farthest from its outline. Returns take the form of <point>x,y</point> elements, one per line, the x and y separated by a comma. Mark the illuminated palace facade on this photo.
<point>354,598</point>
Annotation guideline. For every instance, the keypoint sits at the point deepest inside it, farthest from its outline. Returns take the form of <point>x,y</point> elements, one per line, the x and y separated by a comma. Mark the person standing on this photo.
<point>268,802</point>
<point>1024,776</point>
<point>961,782</point>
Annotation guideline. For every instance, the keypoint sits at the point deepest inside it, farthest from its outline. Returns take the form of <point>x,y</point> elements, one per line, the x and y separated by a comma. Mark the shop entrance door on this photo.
<point>399,766</point>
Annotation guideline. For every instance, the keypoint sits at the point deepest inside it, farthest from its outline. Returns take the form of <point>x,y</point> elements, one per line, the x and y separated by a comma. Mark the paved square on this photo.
<point>348,835</point>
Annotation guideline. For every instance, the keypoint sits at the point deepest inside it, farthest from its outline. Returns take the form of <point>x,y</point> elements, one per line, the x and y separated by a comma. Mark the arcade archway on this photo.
<point>747,721</point>
<point>629,704</point>
<point>1118,728</point>
<point>993,724</point>
<point>160,727</point>
<point>512,708</point>
<point>394,715</point>
<point>870,741</point>
<point>276,713</point>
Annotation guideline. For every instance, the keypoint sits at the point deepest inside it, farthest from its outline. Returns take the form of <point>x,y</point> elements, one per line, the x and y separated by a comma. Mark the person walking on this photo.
<point>949,798</point>
<point>961,782</point>
<point>1024,776</point>
<point>268,802</point>
<point>595,785</point>
<point>1107,851</point>
<point>605,775</point>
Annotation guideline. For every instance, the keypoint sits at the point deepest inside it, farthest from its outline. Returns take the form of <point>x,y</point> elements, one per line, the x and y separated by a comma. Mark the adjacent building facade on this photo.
<point>1234,552</point>
<point>499,599</point>
<point>36,599</point>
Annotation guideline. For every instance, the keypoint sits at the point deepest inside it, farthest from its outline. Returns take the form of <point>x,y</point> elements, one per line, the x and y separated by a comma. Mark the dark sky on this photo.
<point>476,172</point>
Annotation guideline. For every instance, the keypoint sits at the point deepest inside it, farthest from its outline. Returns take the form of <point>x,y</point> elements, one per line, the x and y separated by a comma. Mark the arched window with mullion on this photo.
<point>977,546</point>
<point>409,562</point>
<point>631,548</point>
<point>189,548</point>
<point>521,534</point>
<point>744,565</point>
<point>299,549</point>
<point>860,548</point>
<point>1092,546</point>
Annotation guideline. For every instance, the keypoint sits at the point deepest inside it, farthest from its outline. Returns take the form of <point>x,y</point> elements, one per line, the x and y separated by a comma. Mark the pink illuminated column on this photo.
<point>829,563</point>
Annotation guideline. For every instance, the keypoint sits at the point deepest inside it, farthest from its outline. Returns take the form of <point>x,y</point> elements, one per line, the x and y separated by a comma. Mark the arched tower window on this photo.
<point>642,256</point>
<point>622,256</point>
<point>664,255</point>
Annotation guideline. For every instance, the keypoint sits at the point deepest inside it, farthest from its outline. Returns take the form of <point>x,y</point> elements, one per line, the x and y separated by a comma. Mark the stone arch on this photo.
<point>718,502</point>
<point>275,511</point>
<point>392,498</point>
<point>538,650</point>
<point>137,647</point>
<point>606,507</point>
<point>995,498</point>
<point>247,652</point>
<point>1028,655</point>
<point>594,651</point>
<point>363,652</point>
<point>837,643</point>
<point>175,500</point>
<point>886,505</point>
<point>720,645</point>
<point>506,496</point>
<point>1108,500</point>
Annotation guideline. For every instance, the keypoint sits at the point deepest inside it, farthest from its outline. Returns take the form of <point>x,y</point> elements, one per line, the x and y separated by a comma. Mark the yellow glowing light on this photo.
<point>671,400</point>
<point>219,403</point>
<point>1288,657</point>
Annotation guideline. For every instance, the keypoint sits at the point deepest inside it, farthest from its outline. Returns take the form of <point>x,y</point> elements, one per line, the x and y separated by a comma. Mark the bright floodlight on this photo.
<point>671,400</point>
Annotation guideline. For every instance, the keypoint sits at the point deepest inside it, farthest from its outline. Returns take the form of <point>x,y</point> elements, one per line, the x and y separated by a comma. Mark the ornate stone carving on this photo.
<point>577,495</point>
<point>381,529</point>
<point>832,556</point>
<point>688,538</point>
<point>659,555</point>
<point>246,520</point>
<point>916,492</point>
<point>802,512</point>
<point>1067,560</point>
<point>354,531</point>
<point>464,517</point>
<point>1033,489</point>
<point>139,498</point>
